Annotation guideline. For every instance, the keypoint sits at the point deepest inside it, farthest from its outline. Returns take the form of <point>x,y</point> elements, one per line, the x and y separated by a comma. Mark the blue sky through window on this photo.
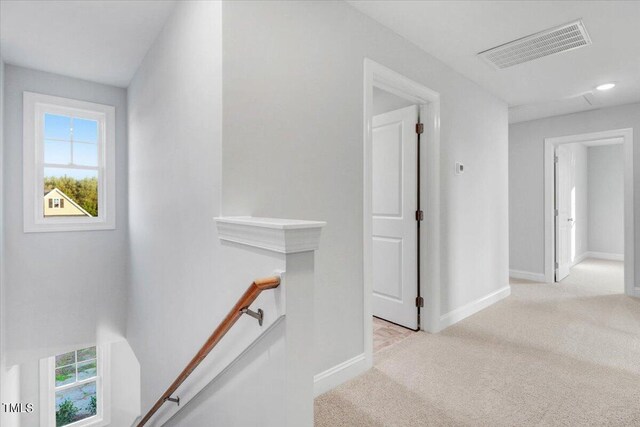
<point>70,141</point>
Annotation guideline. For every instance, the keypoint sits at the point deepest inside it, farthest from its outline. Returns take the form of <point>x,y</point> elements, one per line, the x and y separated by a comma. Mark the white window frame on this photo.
<point>103,391</point>
<point>34,108</point>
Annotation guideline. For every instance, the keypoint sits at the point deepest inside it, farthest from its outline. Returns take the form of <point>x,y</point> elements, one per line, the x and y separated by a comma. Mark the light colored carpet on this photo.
<point>549,355</point>
<point>599,275</point>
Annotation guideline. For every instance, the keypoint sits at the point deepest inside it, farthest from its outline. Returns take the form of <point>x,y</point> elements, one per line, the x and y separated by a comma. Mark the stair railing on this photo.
<point>241,307</point>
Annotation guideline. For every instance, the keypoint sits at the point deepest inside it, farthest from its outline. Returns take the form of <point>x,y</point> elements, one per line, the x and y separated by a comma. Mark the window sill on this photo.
<point>53,227</point>
<point>89,422</point>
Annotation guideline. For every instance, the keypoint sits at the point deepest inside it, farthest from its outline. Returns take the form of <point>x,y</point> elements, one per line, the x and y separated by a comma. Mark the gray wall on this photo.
<point>4,387</point>
<point>606,199</point>
<point>8,382</point>
<point>52,312</point>
<point>176,293</point>
<point>49,311</point>
<point>384,101</point>
<point>526,176</point>
<point>293,147</point>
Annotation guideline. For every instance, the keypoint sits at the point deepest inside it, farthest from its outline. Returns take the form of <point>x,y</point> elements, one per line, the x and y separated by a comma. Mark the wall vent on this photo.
<point>548,42</point>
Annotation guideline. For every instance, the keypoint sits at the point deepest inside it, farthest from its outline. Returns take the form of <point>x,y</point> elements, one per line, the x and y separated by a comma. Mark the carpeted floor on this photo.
<point>599,275</point>
<point>549,355</point>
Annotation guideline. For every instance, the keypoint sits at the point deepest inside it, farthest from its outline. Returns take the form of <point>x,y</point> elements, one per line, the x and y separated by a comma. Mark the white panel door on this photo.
<point>565,198</point>
<point>394,201</point>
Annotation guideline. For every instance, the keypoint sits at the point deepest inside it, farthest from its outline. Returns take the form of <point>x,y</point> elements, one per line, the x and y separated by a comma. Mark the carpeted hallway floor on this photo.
<point>549,355</point>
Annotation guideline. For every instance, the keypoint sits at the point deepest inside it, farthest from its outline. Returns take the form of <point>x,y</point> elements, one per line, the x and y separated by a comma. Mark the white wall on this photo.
<point>176,294</point>
<point>293,147</point>
<point>526,176</point>
<point>49,312</point>
<point>89,298</point>
<point>606,199</point>
<point>250,392</point>
<point>125,385</point>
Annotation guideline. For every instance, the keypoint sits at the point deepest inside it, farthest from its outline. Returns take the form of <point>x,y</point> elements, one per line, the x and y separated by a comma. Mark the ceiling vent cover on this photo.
<point>549,42</point>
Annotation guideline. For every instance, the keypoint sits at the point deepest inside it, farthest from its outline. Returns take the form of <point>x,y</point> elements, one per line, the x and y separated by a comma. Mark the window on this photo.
<point>74,388</point>
<point>69,164</point>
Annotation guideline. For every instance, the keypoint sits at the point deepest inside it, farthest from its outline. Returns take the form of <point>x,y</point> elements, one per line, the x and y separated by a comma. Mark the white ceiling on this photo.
<point>455,31</point>
<point>101,41</point>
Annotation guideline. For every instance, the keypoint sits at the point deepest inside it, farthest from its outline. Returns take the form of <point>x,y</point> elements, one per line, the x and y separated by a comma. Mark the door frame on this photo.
<point>377,75</point>
<point>550,145</point>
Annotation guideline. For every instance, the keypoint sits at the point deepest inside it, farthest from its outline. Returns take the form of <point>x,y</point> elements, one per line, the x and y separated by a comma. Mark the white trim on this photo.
<point>275,234</point>
<point>526,275</point>
<point>103,390</point>
<point>336,375</point>
<point>540,277</point>
<point>603,142</point>
<point>473,307</point>
<point>549,230</point>
<point>34,107</point>
<point>605,255</point>
<point>577,260</point>
<point>377,75</point>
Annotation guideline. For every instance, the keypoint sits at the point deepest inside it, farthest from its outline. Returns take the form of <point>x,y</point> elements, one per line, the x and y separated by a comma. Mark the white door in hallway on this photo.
<point>395,169</point>
<point>565,202</point>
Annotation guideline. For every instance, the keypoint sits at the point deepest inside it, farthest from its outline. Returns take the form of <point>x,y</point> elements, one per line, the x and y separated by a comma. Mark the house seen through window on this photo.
<point>68,164</point>
<point>76,386</point>
<point>71,166</point>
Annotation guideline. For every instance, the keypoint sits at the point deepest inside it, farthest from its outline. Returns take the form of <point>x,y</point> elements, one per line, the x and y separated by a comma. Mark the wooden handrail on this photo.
<point>244,302</point>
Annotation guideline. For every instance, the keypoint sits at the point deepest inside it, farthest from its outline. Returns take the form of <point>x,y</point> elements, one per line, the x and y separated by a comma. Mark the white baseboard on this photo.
<point>473,307</point>
<point>527,275</point>
<point>334,376</point>
<point>605,255</point>
<point>580,258</point>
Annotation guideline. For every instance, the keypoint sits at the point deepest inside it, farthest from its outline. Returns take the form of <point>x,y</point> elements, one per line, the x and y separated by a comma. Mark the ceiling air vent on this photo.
<point>549,42</point>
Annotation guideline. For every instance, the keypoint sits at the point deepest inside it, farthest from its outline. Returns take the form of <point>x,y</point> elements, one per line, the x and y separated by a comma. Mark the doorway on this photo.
<point>395,207</point>
<point>400,181</point>
<point>589,210</point>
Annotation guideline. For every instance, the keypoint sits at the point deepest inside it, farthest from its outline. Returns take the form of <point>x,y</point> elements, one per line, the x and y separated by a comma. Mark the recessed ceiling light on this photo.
<point>606,86</point>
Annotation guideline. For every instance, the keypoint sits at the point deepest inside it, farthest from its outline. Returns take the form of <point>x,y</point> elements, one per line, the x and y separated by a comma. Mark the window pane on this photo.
<point>86,354</point>
<point>66,359</point>
<point>85,154</point>
<point>77,185</point>
<point>87,370</point>
<point>85,130</point>
<point>76,403</point>
<point>65,375</point>
<point>57,127</point>
<point>58,152</point>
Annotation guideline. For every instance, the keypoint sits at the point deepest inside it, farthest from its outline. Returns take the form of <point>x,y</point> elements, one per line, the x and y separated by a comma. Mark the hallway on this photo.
<point>563,354</point>
<point>599,275</point>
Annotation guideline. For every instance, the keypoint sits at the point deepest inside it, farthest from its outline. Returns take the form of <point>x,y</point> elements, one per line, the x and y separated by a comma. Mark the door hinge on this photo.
<point>419,302</point>
<point>555,212</point>
<point>419,215</point>
<point>555,159</point>
<point>557,265</point>
<point>419,128</point>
